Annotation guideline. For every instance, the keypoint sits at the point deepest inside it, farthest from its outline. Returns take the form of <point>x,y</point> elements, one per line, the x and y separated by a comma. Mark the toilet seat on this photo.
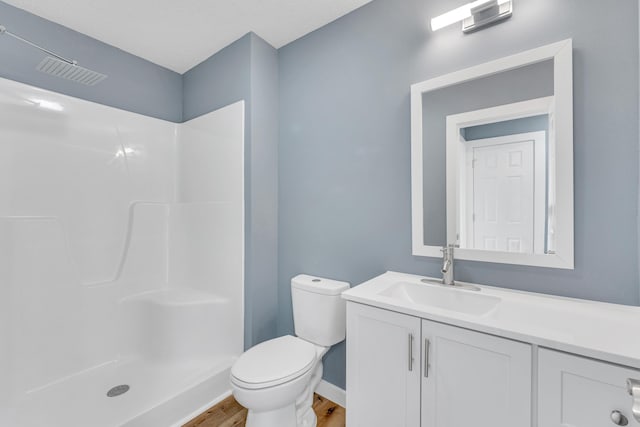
<point>273,362</point>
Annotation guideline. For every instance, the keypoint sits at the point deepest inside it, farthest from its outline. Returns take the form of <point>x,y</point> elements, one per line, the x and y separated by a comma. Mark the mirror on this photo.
<point>492,160</point>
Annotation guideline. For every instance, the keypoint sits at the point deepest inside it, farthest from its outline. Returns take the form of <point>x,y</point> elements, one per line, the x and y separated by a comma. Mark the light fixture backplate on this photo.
<point>487,14</point>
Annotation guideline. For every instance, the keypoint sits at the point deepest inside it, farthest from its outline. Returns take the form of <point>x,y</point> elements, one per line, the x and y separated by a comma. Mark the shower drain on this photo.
<point>118,390</point>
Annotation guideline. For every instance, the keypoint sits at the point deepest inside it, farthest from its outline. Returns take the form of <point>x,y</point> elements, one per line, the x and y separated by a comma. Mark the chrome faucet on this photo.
<point>447,265</point>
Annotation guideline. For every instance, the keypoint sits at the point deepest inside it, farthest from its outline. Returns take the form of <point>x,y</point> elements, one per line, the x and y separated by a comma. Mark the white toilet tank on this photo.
<point>319,313</point>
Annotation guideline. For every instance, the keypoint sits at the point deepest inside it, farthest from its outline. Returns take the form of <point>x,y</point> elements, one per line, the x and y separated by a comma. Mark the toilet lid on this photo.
<point>274,362</point>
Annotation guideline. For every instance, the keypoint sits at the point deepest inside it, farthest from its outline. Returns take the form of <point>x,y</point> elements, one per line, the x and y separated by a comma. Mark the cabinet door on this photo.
<point>577,392</point>
<point>383,368</point>
<point>472,379</point>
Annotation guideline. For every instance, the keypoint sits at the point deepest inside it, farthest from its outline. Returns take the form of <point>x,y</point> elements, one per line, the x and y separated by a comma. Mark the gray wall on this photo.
<point>508,127</point>
<point>222,79</point>
<point>345,145</point>
<point>262,211</point>
<point>134,84</point>
<point>248,69</point>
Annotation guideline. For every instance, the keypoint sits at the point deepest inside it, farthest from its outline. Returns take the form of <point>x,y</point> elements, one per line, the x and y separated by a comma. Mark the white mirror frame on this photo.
<point>562,55</point>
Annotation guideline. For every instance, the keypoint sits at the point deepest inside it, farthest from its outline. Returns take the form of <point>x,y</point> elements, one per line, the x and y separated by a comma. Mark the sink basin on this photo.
<point>440,297</point>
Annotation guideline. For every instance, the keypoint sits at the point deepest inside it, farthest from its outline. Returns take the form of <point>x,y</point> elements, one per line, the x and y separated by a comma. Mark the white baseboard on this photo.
<point>333,393</point>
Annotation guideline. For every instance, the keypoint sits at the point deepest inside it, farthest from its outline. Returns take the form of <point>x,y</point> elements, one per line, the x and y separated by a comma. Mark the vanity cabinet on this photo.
<point>580,392</point>
<point>474,379</point>
<point>487,357</point>
<point>383,368</point>
<point>403,371</point>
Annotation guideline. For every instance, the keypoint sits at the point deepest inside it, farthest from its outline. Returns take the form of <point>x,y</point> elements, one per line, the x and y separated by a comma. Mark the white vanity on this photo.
<point>422,354</point>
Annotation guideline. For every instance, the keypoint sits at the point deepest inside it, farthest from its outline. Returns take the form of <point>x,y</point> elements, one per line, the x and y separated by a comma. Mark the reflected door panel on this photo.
<point>503,197</point>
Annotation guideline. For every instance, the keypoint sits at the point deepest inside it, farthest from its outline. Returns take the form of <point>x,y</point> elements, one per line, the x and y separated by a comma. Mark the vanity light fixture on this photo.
<point>475,15</point>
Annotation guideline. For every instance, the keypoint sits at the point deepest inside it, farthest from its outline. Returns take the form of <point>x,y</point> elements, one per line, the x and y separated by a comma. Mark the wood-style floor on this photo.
<point>229,413</point>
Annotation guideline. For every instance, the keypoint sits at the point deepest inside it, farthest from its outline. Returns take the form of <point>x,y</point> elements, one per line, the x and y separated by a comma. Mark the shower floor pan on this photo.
<point>159,395</point>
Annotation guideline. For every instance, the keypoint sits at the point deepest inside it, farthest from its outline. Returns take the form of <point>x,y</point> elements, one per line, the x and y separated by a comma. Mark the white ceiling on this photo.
<point>179,34</point>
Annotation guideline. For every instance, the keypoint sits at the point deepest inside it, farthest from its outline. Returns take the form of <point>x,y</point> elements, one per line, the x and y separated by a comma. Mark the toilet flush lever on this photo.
<point>633,387</point>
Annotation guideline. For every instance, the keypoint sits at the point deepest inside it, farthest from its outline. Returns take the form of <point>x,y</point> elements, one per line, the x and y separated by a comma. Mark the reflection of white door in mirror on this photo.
<point>498,176</point>
<point>504,193</point>
<point>516,205</point>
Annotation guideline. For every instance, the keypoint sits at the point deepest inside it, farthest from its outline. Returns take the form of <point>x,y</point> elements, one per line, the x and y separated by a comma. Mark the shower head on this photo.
<point>60,66</point>
<point>75,73</point>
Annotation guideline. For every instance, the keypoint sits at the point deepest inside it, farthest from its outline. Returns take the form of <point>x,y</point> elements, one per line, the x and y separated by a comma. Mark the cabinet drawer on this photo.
<point>575,391</point>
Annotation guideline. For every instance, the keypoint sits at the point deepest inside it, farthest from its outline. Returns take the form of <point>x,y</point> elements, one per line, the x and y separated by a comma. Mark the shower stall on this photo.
<point>121,261</point>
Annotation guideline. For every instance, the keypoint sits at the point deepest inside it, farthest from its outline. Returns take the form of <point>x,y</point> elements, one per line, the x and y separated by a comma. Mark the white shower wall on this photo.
<point>121,241</point>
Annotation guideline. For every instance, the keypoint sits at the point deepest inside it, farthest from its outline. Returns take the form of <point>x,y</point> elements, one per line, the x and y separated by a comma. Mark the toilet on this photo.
<point>275,380</point>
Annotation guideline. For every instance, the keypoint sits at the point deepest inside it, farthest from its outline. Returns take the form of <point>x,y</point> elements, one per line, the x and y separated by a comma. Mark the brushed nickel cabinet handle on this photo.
<point>427,346</point>
<point>410,352</point>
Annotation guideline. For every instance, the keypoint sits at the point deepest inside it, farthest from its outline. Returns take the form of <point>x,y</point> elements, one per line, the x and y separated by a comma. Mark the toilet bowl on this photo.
<point>275,380</point>
<point>269,378</point>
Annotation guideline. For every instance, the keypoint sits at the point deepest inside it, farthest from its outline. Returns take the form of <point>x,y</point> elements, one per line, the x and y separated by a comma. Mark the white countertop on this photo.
<point>593,329</point>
